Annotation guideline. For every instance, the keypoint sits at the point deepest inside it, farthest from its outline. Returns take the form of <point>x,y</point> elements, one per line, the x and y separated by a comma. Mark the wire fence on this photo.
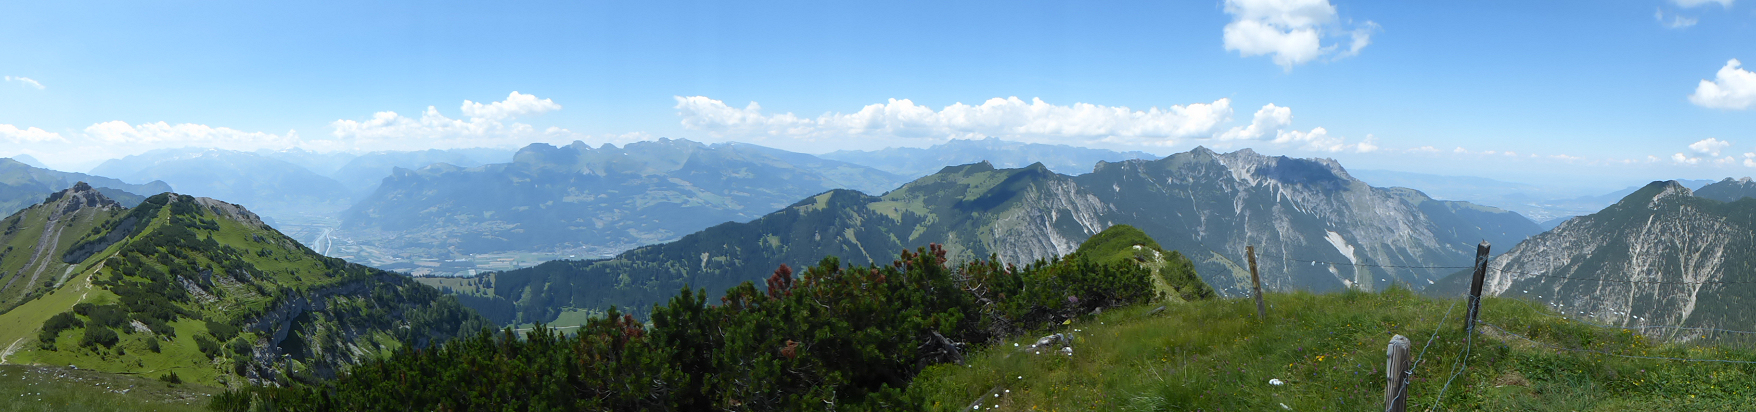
<point>1461,364</point>
<point>1625,281</point>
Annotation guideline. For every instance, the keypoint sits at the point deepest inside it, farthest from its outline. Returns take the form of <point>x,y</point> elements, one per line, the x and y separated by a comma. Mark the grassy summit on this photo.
<point>1328,350</point>
<point>1172,273</point>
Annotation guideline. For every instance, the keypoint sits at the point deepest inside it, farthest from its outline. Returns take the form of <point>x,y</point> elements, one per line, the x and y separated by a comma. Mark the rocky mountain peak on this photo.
<point>232,211</point>
<point>79,196</point>
<point>1728,190</point>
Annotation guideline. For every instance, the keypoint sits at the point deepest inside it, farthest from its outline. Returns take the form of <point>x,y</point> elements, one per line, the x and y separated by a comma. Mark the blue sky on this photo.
<point>1601,92</point>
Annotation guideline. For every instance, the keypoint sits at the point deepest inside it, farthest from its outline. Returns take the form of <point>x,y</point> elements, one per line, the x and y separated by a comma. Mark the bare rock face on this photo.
<point>1314,226</point>
<point>81,195</point>
<point>233,212</point>
<point>1661,257</point>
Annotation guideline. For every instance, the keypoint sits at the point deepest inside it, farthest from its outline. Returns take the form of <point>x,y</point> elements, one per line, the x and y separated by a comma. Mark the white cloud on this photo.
<point>1367,146</point>
<point>1010,117</point>
<point>485,127</point>
<point>1683,159</point>
<point>1290,30</point>
<point>1732,88</point>
<point>26,81</point>
<point>1318,139</point>
<point>13,134</point>
<point>515,105</point>
<point>1269,118</point>
<point>1677,21</point>
<point>1362,36</point>
<point>1424,149</point>
<point>161,134</point>
<point>1693,3</point>
<point>1709,146</point>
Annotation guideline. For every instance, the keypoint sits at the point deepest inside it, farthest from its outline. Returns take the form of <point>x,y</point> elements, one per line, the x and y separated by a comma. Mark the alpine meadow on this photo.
<point>1232,205</point>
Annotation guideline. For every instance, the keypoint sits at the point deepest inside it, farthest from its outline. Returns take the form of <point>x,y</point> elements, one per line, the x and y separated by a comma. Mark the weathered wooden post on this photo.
<point>1475,287</point>
<point>1256,283</point>
<point>1396,365</point>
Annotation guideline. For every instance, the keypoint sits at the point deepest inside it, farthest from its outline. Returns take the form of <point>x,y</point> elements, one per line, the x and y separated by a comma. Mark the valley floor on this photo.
<point>1327,352</point>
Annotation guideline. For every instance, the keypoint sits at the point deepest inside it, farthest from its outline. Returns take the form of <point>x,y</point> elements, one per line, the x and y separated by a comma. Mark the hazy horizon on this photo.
<point>1573,93</point>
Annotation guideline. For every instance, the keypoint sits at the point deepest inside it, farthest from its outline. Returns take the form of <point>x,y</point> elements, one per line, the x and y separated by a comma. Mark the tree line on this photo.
<point>825,337</point>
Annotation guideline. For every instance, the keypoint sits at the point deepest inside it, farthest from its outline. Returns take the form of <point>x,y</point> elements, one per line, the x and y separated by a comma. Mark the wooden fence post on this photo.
<point>1256,283</point>
<point>1475,286</point>
<point>1396,365</point>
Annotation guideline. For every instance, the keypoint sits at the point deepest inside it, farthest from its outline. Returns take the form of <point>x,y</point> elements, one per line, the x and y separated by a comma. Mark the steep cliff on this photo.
<point>1661,257</point>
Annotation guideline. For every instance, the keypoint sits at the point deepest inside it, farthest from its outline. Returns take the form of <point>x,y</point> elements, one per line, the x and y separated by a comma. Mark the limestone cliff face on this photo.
<point>1296,211</point>
<point>1659,257</point>
<point>1051,220</point>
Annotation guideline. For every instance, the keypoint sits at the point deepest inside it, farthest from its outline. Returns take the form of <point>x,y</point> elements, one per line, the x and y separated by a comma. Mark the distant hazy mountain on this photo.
<point>1548,205</point>
<point>1728,190</point>
<point>1662,256</point>
<point>22,185</point>
<point>32,161</point>
<point>269,185</point>
<point>319,163</point>
<point>914,162</point>
<point>363,173</point>
<point>593,200</point>
<point>1208,206</point>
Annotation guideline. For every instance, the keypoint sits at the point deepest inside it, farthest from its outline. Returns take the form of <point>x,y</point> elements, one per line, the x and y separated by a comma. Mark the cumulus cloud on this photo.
<point>1318,139</point>
<point>1709,146</point>
<point>1291,31</point>
<point>26,81</point>
<point>13,134</point>
<point>487,125</point>
<point>1685,159</point>
<point>1367,146</point>
<point>163,134</point>
<point>1676,21</point>
<point>1732,88</point>
<point>1009,117</point>
<point>1268,119</point>
<point>515,105</point>
<point>1693,3</point>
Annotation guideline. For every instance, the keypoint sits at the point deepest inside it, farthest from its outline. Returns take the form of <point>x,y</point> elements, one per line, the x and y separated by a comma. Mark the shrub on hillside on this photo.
<point>53,327</point>
<point>103,315</point>
<point>826,336</point>
<point>98,335</point>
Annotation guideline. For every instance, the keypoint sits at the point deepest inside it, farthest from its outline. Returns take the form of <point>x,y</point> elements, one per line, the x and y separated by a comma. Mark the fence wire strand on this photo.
<point>1550,346</point>
<point>1656,282</point>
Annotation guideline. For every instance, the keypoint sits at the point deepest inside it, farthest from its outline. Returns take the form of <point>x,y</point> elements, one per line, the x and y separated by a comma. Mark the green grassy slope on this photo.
<point>40,388</point>
<point>1329,351</point>
<point>1172,273</point>
<point>33,240</point>
<point>205,289</point>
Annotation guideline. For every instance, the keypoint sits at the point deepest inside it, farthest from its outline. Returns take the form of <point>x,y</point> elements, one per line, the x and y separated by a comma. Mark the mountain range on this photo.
<point>277,187</point>
<point>1664,260</point>
<point>912,162</point>
<point>23,184</point>
<point>592,201</point>
<point>1316,228</point>
<point>1548,205</point>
